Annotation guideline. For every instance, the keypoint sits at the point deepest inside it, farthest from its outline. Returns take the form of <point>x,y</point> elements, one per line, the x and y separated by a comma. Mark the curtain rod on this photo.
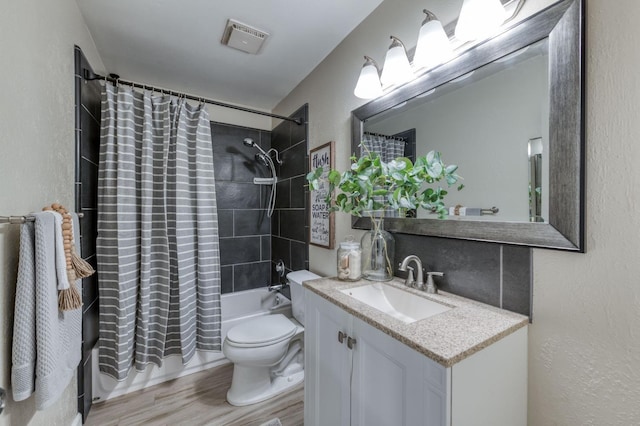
<point>114,78</point>
<point>24,219</point>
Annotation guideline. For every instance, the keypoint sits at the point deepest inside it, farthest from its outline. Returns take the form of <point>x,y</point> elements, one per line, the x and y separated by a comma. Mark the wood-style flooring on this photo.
<point>197,399</point>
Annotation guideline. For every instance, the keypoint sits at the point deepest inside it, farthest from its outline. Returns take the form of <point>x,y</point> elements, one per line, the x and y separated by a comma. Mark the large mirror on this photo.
<point>510,113</point>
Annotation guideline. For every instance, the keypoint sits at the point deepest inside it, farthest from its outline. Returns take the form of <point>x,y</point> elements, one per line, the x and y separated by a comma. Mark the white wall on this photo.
<point>37,151</point>
<point>584,356</point>
<point>238,118</point>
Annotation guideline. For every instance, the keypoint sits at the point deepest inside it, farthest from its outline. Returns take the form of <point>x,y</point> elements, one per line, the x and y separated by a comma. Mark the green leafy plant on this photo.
<point>374,185</point>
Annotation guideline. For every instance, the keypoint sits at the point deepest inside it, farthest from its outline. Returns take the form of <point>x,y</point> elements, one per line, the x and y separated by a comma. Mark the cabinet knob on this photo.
<point>341,336</point>
<point>351,342</point>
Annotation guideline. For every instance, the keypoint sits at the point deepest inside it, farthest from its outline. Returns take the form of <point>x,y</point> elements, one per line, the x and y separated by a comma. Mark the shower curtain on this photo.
<point>157,245</point>
<point>388,148</point>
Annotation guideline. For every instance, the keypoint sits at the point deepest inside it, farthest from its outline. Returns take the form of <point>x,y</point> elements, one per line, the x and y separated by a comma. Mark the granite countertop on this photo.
<point>446,338</point>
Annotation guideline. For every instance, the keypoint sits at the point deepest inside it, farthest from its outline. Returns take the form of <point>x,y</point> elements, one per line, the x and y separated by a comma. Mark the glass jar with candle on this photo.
<point>349,260</point>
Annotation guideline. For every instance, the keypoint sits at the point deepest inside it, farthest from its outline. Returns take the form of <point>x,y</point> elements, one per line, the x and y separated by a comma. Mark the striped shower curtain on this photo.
<point>388,148</point>
<point>157,246</point>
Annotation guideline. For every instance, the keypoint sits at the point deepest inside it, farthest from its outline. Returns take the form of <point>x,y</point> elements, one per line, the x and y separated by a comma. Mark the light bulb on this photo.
<point>397,69</point>
<point>368,85</point>
<point>479,19</point>
<point>433,46</point>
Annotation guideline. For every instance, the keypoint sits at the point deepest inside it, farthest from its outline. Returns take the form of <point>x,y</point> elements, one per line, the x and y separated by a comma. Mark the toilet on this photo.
<point>267,352</point>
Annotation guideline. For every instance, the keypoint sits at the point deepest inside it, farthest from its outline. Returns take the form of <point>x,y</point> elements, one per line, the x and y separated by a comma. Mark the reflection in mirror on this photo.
<point>538,209</point>
<point>484,121</point>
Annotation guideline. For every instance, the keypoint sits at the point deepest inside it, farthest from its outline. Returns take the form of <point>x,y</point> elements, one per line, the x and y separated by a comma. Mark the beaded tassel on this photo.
<point>70,299</point>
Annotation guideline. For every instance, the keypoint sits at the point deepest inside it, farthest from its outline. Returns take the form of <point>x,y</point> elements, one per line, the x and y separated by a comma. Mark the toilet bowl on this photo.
<point>267,352</point>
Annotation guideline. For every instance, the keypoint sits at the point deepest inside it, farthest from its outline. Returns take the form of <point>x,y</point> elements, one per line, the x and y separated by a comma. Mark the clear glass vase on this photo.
<point>378,249</point>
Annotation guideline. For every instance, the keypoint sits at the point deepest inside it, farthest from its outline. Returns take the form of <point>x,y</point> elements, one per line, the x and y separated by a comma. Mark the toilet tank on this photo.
<point>295,280</point>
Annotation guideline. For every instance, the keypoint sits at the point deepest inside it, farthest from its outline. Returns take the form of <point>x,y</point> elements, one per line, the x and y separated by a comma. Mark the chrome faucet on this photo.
<point>418,282</point>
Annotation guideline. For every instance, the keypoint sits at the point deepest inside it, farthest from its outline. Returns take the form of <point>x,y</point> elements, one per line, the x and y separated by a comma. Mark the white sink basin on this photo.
<point>400,304</point>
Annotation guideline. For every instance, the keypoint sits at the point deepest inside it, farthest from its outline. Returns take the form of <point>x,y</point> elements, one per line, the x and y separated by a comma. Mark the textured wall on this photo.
<point>584,344</point>
<point>37,141</point>
<point>584,362</point>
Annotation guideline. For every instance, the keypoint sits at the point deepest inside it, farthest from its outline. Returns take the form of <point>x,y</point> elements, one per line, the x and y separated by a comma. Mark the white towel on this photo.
<point>60,259</point>
<point>46,342</point>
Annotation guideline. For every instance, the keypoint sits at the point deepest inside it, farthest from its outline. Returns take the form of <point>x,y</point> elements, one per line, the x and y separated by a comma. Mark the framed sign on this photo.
<point>321,229</point>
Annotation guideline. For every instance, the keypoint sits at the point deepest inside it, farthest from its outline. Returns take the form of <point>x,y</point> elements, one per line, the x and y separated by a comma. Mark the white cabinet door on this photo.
<point>388,385</point>
<point>327,363</point>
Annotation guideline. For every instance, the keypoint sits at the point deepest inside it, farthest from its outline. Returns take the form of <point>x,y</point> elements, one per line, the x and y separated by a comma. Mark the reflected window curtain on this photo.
<point>157,246</point>
<point>388,148</point>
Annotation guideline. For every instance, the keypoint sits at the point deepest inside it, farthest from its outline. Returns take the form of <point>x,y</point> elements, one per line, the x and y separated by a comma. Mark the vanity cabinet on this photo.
<point>356,374</point>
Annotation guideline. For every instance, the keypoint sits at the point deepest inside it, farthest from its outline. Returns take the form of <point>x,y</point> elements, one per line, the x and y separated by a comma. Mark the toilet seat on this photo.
<point>261,331</point>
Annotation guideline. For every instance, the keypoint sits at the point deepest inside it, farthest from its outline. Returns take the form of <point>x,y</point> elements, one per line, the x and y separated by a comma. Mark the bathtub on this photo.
<point>236,308</point>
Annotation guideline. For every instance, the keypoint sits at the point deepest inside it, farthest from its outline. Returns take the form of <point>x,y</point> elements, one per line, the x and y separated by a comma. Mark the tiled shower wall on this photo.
<point>87,118</point>
<point>245,229</point>
<point>290,220</point>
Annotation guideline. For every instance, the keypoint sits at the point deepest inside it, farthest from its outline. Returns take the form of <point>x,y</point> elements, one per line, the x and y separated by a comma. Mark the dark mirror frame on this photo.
<point>563,24</point>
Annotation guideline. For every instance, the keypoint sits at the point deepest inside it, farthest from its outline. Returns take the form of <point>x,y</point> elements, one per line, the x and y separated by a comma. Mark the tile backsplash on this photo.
<point>495,274</point>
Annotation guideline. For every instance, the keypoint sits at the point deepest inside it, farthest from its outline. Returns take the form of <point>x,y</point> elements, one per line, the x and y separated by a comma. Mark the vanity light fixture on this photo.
<point>479,19</point>
<point>397,69</point>
<point>368,86</point>
<point>434,47</point>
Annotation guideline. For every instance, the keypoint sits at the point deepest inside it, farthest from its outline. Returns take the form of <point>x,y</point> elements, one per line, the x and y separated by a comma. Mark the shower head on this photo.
<point>263,159</point>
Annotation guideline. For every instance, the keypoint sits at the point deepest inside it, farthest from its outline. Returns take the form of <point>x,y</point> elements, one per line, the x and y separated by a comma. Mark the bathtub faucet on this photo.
<point>276,287</point>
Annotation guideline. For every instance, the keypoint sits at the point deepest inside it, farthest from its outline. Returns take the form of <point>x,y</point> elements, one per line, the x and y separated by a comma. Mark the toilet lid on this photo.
<point>262,330</point>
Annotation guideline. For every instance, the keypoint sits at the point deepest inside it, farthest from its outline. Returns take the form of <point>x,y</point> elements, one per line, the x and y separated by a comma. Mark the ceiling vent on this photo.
<point>243,37</point>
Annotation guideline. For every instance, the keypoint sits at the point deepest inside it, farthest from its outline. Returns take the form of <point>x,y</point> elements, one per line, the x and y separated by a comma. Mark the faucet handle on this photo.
<point>410,281</point>
<point>431,286</point>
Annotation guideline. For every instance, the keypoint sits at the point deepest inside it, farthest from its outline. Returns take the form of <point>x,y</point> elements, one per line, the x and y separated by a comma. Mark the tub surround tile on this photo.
<point>226,279</point>
<point>281,250</point>
<point>298,255</point>
<point>289,224</point>
<point>239,250</point>
<point>88,100</point>
<point>293,161</point>
<point>91,132</point>
<point>294,221</point>
<point>446,338</point>
<point>265,247</point>
<point>299,132</point>
<point>251,222</point>
<point>89,232</point>
<point>237,195</point>
<point>90,329</point>
<point>90,285</point>
<point>250,276</point>
<point>275,223</point>
<point>298,194</point>
<point>225,223</point>
<point>89,179</point>
<point>281,136</point>
<point>283,191</point>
